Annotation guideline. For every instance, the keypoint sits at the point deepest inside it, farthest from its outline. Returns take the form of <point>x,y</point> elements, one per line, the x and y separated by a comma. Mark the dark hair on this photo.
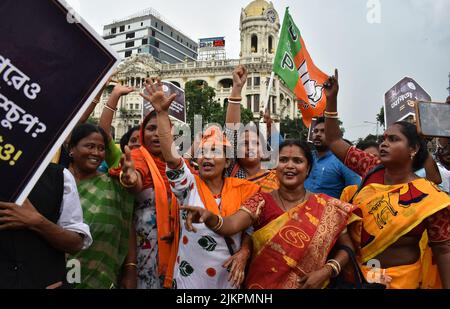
<point>148,118</point>
<point>303,146</point>
<point>126,138</point>
<point>84,130</point>
<point>414,139</point>
<point>320,120</point>
<point>365,145</point>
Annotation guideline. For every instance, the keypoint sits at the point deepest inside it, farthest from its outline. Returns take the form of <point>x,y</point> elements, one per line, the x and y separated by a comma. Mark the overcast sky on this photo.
<point>412,39</point>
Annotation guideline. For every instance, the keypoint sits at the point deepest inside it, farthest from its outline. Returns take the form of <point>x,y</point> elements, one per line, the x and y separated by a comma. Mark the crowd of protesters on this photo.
<point>141,215</point>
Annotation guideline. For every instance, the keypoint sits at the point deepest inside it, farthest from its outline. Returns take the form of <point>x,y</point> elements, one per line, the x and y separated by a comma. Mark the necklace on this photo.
<point>296,202</point>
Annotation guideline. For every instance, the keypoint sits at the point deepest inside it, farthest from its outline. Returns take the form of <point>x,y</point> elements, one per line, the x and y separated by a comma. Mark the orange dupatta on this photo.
<point>162,211</point>
<point>234,193</point>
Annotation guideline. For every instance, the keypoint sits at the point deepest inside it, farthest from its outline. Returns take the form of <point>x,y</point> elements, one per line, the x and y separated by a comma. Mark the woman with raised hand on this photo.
<point>295,230</point>
<point>202,259</point>
<point>246,163</point>
<point>107,209</point>
<point>395,206</point>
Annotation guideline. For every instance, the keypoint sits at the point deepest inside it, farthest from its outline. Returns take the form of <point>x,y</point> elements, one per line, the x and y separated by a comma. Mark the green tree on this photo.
<point>200,99</point>
<point>362,142</point>
<point>380,117</point>
<point>293,129</point>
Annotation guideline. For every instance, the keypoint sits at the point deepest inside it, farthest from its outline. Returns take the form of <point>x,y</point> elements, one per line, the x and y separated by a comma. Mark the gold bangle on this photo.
<point>331,117</point>
<point>335,270</point>
<point>333,261</point>
<point>234,102</point>
<point>219,224</point>
<point>330,114</point>
<point>131,264</point>
<point>110,108</point>
<point>235,98</point>
<point>125,185</point>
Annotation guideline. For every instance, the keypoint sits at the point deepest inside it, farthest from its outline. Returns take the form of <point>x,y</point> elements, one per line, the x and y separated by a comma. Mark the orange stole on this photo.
<point>302,239</point>
<point>162,211</point>
<point>234,193</point>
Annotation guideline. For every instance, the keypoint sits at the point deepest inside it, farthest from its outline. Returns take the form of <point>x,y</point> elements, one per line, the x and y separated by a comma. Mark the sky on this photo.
<point>373,43</point>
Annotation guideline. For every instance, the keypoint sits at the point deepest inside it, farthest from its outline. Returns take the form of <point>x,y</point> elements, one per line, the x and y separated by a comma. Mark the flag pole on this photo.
<point>266,99</point>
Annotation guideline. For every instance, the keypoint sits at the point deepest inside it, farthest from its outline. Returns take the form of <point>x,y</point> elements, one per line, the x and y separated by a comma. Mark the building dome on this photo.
<point>256,8</point>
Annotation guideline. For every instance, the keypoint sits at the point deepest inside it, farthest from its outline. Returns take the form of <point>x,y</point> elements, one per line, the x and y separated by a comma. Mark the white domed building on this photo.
<point>259,30</point>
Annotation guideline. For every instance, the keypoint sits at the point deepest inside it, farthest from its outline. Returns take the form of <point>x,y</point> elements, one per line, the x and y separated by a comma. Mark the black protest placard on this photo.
<point>399,100</point>
<point>52,65</point>
<point>177,109</point>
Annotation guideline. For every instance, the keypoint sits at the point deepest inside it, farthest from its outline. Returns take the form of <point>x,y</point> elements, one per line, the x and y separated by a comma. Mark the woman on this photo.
<point>107,209</point>
<point>396,206</point>
<point>201,261</point>
<point>247,161</point>
<point>295,230</point>
<point>130,139</point>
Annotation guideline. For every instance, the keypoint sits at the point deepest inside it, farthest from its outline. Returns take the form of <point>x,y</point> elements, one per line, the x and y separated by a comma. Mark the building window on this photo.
<point>256,103</point>
<point>153,33</point>
<point>257,81</point>
<point>171,33</point>
<point>274,105</point>
<point>178,37</point>
<point>129,26</point>
<point>127,53</point>
<point>249,81</point>
<point>162,28</point>
<point>249,102</point>
<point>181,40</point>
<point>157,44</point>
<point>254,43</point>
<point>129,44</point>
<point>130,35</point>
<point>122,28</point>
<point>156,24</point>
<point>113,30</point>
<point>144,41</point>
<point>271,50</point>
<point>142,24</point>
<point>136,106</point>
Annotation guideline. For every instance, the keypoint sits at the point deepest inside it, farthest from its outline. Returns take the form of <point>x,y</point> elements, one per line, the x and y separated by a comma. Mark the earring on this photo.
<point>412,156</point>
<point>71,154</point>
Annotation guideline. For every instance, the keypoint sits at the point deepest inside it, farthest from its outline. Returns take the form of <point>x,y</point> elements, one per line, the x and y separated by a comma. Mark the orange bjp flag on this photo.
<point>294,66</point>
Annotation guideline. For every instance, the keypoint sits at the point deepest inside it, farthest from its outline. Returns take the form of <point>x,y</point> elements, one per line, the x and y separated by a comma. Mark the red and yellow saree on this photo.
<point>288,245</point>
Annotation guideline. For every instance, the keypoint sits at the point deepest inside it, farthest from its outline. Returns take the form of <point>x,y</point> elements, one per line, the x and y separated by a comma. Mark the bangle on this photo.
<point>334,268</point>
<point>124,184</point>
<point>110,108</point>
<point>234,102</point>
<point>131,264</point>
<point>235,98</point>
<point>219,224</point>
<point>336,264</point>
<point>331,115</point>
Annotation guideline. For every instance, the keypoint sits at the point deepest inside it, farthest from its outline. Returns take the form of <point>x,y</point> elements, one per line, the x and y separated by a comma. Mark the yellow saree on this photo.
<point>386,213</point>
